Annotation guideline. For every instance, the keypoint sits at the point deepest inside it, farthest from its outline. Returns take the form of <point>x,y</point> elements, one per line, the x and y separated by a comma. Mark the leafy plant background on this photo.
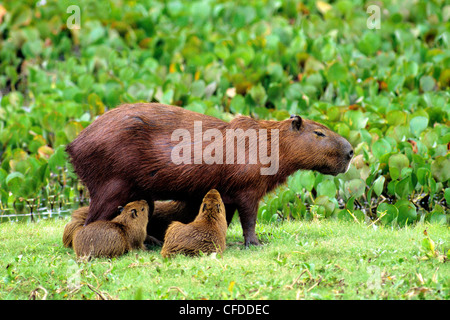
<point>386,90</point>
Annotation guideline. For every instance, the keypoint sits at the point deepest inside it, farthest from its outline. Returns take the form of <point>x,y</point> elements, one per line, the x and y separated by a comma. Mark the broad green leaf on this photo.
<point>58,159</point>
<point>307,179</point>
<point>396,163</point>
<point>427,83</point>
<point>378,185</point>
<point>355,187</point>
<point>406,212</point>
<point>14,181</point>
<point>381,147</point>
<point>387,213</point>
<point>327,188</point>
<point>418,124</point>
<point>370,42</point>
<point>440,168</point>
<point>447,195</point>
<point>337,72</point>
<point>395,82</point>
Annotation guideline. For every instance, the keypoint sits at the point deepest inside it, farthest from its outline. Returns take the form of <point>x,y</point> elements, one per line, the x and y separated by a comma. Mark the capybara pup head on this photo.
<point>134,213</point>
<point>212,207</point>
<point>317,147</point>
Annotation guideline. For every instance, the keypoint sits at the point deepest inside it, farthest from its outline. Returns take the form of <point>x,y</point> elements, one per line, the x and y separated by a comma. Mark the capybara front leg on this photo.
<point>247,214</point>
<point>105,202</point>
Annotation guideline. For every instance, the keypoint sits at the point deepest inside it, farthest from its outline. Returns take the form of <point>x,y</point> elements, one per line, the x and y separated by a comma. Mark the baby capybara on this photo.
<point>113,238</point>
<point>158,152</point>
<point>165,212</point>
<point>205,234</point>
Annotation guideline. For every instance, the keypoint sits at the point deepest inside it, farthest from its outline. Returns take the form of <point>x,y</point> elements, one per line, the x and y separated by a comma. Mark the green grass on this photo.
<point>323,259</point>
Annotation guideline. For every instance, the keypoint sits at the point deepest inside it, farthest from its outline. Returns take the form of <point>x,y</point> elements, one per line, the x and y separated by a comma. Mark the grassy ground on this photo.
<point>299,260</point>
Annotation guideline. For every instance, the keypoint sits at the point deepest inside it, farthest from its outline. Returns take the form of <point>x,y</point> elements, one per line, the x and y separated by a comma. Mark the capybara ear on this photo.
<point>296,122</point>
<point>133,213</point>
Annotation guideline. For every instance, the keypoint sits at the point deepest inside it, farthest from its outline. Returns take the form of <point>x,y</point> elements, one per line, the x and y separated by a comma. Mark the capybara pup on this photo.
<point>205,234</point>
<point>113,238</point>
<point>154,151</point>
<point>75,224</point>
<point>165,212</point>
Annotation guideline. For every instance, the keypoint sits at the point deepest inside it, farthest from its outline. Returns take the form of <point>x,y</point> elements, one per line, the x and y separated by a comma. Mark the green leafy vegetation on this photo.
<point>386,90</point>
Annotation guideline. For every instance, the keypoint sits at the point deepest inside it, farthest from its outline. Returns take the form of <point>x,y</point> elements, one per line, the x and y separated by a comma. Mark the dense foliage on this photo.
<point>386,90</point>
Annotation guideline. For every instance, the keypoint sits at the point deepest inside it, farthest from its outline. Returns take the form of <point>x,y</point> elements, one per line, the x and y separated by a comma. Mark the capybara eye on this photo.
<point>319,133</point>
<point>142,209</point>
<point>120,208</point>
<point>134,213</point>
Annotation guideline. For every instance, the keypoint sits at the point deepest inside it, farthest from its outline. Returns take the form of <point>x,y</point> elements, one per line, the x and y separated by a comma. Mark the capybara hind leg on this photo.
<point>105,202</point>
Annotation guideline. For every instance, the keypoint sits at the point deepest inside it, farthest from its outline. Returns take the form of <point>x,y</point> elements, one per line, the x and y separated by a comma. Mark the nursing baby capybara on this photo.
<point>158,152</point>
<point>113,238</point>
<point>205,234</point>
<point>74,225</point>
<point>166,212</point>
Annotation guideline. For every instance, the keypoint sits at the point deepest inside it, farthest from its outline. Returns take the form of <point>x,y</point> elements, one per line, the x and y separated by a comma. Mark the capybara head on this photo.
<point>212,206</point>
<point>134,213</point>
<point>318,148</point>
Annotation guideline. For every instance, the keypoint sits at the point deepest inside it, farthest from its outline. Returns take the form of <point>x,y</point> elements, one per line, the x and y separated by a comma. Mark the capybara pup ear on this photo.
<point>296,122</point>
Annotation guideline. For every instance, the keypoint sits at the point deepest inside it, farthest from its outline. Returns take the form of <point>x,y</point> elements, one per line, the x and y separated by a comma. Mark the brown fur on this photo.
<point>164,214</point>
<point>113,238</point>
<point>125,155</point>
<point>167,212</point>
<point>205,234</point>
<point>77,222</point>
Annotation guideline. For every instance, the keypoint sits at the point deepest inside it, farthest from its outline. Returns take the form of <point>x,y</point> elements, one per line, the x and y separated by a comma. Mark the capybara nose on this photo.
<point>350,154</point>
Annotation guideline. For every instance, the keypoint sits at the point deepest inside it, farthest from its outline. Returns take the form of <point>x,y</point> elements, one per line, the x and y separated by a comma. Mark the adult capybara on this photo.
<point>158,152</point>
<point>205,234</point>
<point>75,224</point>
<point>113,238</point>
